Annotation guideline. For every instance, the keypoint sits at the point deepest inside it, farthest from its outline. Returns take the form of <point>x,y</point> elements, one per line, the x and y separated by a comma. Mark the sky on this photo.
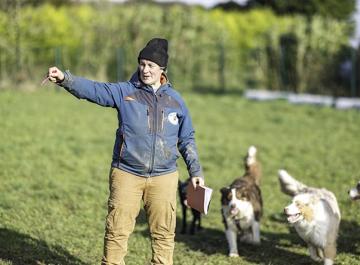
<point>205,3</point>
<point>355,41</point>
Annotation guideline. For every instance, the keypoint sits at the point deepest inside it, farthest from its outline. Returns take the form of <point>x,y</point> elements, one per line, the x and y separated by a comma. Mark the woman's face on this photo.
<point>150,73</point>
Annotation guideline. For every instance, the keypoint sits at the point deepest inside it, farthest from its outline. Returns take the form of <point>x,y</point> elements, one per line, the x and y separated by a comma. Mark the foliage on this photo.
<point>356,58</point>
<point>56,154</point>
<point>7,5</point>
<point>326,8</point>
<point>210,50</point>
<point>304,67</point>
<point>247,41</point>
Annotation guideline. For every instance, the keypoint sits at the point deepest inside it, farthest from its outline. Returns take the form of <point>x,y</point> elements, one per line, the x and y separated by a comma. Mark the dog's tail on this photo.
<point>252,166</point>
<point>289,185</point>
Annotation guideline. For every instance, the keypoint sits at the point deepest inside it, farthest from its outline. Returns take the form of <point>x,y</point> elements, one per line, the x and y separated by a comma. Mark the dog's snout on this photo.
<point>232,205</point>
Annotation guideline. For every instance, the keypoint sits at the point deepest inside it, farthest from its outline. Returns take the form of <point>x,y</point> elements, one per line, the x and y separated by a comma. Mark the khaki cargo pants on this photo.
<point>159,197</point>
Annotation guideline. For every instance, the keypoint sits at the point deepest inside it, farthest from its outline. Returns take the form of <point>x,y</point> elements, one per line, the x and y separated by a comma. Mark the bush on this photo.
<point>211,50</point>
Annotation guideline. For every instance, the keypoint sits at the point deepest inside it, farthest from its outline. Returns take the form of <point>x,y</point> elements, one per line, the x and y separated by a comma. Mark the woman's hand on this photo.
<point>55,75</point>
<point>197,181</point>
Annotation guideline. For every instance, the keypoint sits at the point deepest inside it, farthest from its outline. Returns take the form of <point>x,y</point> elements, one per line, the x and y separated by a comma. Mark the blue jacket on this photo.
<point>152,126</point>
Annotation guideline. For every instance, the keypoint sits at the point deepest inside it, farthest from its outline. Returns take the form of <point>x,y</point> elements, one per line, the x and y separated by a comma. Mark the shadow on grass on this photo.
<point>273,249</point>
<point>276,248</point>
<point>20,249</point>
<point>349,237</point>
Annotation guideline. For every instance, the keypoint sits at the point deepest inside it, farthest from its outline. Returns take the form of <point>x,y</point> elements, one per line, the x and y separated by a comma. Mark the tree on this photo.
<point>9,4</point>
<point>326,8</point>
<point>233,6</point>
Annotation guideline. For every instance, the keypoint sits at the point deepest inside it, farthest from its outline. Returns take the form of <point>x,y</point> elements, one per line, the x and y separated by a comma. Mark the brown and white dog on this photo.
<point>354,193</point>
<point>315,214</point>
<point>241,205</point>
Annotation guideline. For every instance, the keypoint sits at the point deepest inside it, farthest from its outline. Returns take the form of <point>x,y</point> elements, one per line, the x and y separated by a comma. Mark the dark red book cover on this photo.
<point>199,198</point>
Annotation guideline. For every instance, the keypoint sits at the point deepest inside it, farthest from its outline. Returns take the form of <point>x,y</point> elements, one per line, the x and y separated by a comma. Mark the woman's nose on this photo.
<point>145,69</point>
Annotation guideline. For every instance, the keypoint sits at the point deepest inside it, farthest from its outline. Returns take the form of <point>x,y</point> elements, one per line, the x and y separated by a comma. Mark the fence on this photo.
<point>220,70</point>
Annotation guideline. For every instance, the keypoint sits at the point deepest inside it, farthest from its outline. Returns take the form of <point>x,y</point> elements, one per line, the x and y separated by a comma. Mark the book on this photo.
<point>199,198</point>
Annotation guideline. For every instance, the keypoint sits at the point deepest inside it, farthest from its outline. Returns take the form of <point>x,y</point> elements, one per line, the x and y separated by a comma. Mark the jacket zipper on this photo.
<point>162,120</point>
<point>148,119</point>
<point>154,134</point>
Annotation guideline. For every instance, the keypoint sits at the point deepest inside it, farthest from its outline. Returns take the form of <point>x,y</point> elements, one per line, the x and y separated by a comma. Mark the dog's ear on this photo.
<point>224,195</point>
<point>224,190</point>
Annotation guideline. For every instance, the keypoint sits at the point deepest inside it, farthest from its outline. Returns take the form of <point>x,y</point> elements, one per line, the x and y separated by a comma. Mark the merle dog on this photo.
<point>354,192</point>
<point>196,221</point>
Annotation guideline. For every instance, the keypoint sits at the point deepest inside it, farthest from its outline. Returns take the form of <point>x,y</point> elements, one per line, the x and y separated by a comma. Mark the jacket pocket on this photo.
<point>170,122</point>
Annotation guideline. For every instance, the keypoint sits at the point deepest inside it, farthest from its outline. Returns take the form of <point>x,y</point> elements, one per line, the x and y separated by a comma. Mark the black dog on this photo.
<point>196,221</point>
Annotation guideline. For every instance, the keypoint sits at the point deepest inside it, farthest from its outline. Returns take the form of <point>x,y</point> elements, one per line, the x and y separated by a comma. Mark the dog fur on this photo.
<point>196,220</point>
<point>241,205</point>
<point>354,193</point>
<point>315,214</point>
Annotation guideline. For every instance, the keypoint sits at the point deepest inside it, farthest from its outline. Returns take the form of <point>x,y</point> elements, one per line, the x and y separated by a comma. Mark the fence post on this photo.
<point>288,62</point>
<point>17,32</point>
<point>119,64</point>
<point>1,67</point>
<point>222,67</point>
<point>57,61</point>
<point>57,53</point>
<point>353,73</point>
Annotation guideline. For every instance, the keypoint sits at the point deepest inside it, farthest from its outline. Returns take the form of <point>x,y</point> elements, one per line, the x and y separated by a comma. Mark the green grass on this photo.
<point>55,154</point>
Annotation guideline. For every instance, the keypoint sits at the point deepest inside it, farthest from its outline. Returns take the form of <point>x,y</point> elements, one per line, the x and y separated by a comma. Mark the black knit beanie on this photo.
<point>155,51</point>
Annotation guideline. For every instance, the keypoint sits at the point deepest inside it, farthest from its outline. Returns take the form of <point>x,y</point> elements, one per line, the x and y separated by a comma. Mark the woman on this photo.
<point>154,124</point>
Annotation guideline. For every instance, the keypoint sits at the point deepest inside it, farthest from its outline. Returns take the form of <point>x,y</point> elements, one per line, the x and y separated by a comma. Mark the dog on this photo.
<point>354,193</point>
<point>315,214</point>
<point>196,220</point>
<point>242,205</point>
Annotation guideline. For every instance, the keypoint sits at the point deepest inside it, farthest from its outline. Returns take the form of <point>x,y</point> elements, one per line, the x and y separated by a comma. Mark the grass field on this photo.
<point>55,153</point>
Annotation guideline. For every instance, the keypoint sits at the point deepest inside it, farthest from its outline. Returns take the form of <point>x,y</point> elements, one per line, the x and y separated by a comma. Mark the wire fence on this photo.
<point>220,71</point>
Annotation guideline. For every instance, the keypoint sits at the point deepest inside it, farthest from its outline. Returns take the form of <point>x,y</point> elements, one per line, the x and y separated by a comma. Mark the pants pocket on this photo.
<point>162,217</point>
<point>121,219</point>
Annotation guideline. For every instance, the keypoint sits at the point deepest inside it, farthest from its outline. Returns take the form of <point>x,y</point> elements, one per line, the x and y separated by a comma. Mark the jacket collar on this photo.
<point>135,80</point>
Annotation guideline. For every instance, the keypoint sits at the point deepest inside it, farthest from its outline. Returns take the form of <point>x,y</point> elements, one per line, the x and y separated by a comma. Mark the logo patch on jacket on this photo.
<point>173,119</point>
<point>129,98</point>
